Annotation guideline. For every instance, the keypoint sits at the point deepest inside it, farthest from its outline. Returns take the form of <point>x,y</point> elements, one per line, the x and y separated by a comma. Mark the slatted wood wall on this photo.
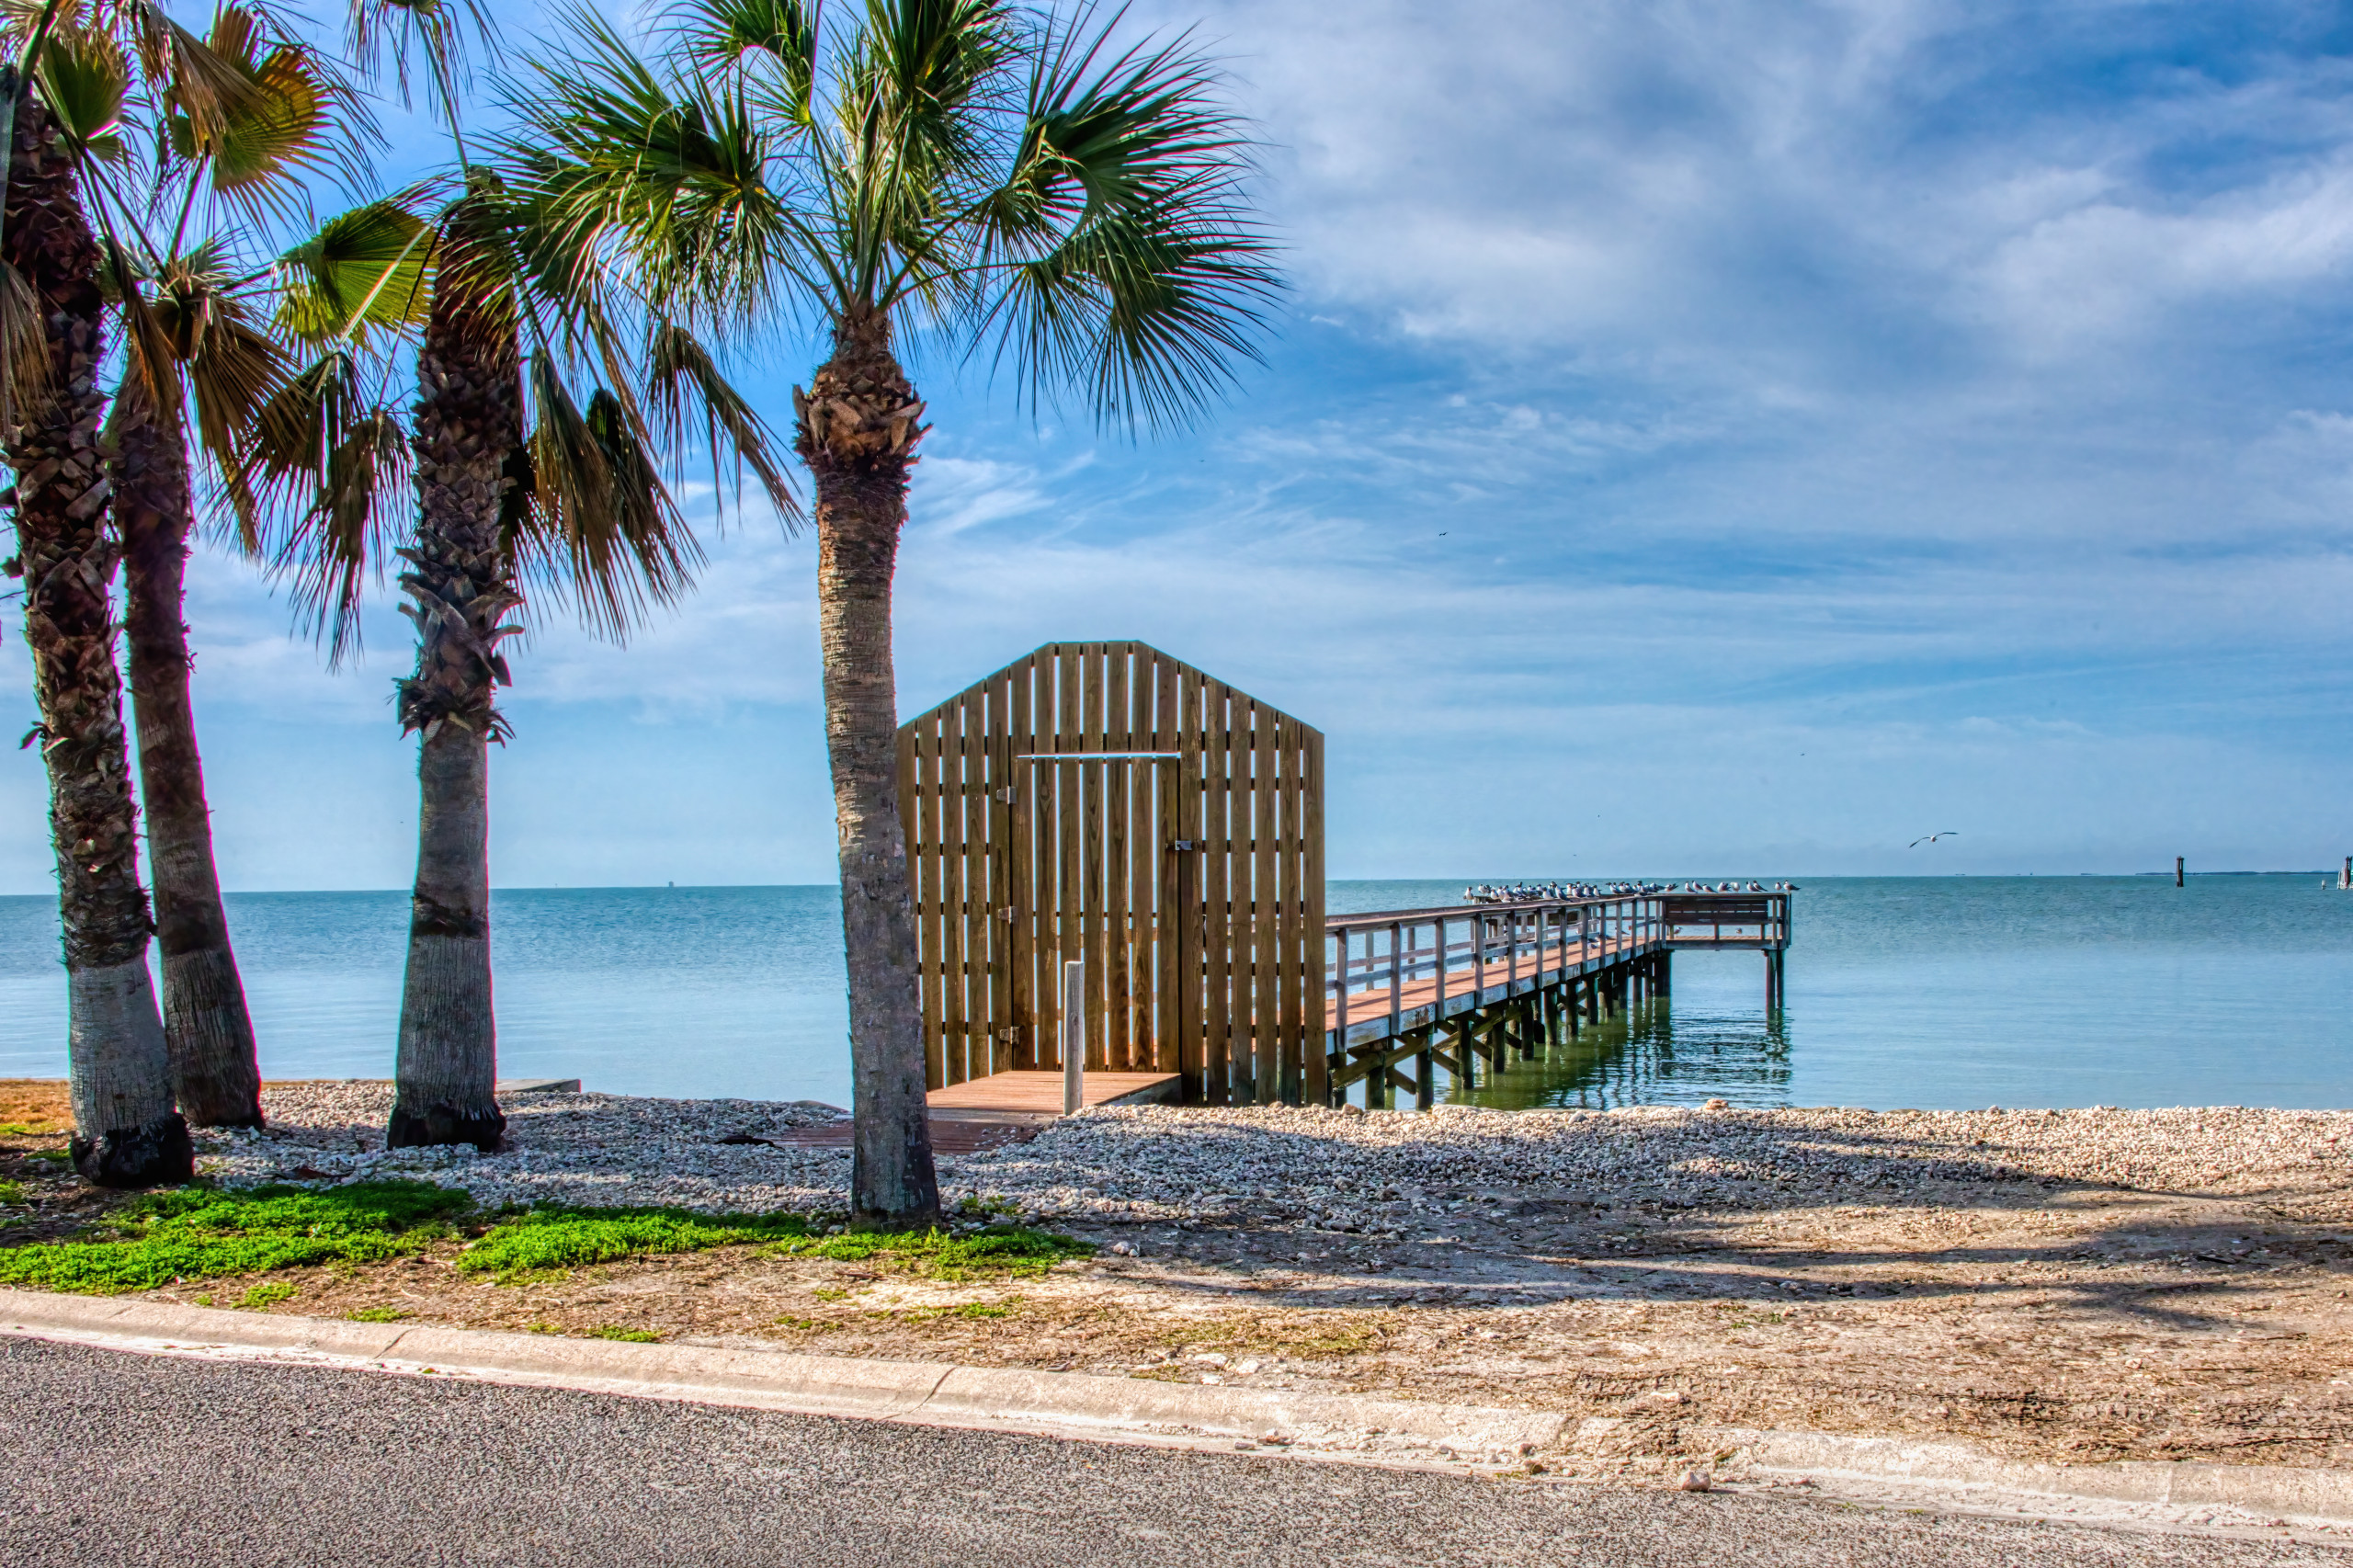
<point>1104,801</point>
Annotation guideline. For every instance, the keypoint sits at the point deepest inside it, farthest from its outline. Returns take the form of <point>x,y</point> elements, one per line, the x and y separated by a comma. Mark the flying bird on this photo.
<point>1932,837</point>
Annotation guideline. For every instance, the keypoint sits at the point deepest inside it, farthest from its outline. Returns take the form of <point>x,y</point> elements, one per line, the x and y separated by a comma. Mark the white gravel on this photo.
<point>1377,1173</point>
<point>616,1151</point>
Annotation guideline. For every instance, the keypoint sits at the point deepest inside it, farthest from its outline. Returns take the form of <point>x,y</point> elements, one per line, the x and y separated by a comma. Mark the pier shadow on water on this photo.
<point>1656,1053</point>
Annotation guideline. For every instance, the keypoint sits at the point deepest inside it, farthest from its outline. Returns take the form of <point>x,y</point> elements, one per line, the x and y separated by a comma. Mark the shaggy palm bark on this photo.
<point>858,430</point>
<point>469,417</point>
<point>207,1029</point>
<point>126,1131</point>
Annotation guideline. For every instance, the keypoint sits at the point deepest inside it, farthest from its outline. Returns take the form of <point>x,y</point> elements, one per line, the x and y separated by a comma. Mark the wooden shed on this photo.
<point>1105,803</point>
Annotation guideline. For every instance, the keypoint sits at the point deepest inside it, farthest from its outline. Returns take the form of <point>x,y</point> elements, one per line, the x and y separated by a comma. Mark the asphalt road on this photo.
<point>115,1461</point>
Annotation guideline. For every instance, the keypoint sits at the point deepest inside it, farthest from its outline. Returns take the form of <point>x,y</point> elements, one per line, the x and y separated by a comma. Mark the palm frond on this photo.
<point>84,80</point>
<point>364,272</point>
<point>436,38</point>
<point>918,95</point>
<point>24,381</point>
<point>1123,258</point>
<point>332,467</point>
<point>187,76</point>
<point>601,531</point>
<point>608,158</point>
<point>679,364</point>
<point>302,119</point>
<point>722,36</point>
<point>234,368</point>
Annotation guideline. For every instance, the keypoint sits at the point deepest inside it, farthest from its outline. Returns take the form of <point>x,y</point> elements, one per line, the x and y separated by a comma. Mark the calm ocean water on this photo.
<point>1927,991</point>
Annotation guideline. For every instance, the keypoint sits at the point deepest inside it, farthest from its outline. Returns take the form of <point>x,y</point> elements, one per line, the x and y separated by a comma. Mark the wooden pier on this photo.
<point>1469,986</point>
<point>1105,805</point>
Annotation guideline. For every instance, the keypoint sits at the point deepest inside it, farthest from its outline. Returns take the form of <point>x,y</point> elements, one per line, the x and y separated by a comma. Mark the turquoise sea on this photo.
<point>1925,991</point>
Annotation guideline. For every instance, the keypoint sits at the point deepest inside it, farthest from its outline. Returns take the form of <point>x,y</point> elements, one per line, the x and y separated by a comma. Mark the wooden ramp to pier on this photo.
<point>1038,1092</point>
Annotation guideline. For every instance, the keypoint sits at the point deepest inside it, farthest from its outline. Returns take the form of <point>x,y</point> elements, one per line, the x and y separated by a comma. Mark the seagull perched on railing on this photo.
<point>1932,837</point>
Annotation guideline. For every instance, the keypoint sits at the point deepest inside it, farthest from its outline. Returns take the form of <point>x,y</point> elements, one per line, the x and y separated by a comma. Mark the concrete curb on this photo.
<point>932,1393</point>
<point>1076,1405</point>
<point>1963,1469</point>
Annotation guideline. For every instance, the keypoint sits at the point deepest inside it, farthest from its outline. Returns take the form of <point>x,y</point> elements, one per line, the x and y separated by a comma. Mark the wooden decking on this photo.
<point>1042,1093</point>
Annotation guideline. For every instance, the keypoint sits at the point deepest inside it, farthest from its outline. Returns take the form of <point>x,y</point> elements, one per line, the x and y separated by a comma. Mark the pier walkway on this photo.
<point>1464,986</point>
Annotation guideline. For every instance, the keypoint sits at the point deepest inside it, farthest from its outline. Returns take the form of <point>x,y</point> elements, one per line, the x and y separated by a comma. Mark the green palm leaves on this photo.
<point>591,521</point>
<point>1019,183</point>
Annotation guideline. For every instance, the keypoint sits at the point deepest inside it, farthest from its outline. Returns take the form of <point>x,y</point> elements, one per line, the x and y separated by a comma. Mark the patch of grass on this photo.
<point>542,1327</point>
<point>630,1336</point>
<point>967,1309</point>
<point>13,1192</point>
<point>203,1301</point>
<point>262,1296</point>
<point>57,1157</point>
<point>547,1240</point>
<point>829,1293</point>
<point>1000,1250</point>
<point>1312,1339</point>
<point>972,1204</point>
<point>30,1128</point>
<point>199,1233</point>
<point>814,1325</point>
<point>377,1314</point>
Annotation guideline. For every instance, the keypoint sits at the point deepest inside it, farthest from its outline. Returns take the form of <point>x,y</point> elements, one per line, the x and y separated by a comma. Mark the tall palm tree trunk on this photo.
<point>126,1131</point>
<point>469,419</point>
<point>857,432</point>
<point>206,1026</point>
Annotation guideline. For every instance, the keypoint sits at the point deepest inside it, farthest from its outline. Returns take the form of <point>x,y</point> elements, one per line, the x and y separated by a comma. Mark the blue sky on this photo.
<point>1702,439</point>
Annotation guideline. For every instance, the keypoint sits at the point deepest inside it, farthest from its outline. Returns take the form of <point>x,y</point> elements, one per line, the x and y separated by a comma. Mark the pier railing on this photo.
<point>1392,968</point>
<point>1379,966</point>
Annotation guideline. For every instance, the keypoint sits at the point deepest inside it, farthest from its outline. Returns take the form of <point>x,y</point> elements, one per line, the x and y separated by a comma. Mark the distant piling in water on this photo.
<point>2178,871</point>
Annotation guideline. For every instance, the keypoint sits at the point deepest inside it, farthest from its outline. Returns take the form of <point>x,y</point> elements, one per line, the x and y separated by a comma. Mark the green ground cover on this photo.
<point>547,1240</point>
<point>999,1250</point>
<point>198,1233</point>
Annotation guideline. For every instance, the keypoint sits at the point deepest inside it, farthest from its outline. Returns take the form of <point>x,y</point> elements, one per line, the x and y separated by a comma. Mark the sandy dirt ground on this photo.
<point>1958,1275</point>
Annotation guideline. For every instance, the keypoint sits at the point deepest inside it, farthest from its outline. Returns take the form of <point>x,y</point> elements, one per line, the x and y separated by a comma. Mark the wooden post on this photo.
<point>1425,1081</point>
<point>2178,871</point>
<point>1073,1035</point>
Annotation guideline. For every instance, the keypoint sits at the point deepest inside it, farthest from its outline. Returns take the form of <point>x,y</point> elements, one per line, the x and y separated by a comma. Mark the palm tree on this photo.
<point>521,482</point>
<point>52,308</point>
<point>1013,184</point>
<point>197,333</point>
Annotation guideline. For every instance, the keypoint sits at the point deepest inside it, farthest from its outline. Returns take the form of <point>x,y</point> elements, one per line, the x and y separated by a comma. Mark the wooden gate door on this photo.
<point>1098,878</point>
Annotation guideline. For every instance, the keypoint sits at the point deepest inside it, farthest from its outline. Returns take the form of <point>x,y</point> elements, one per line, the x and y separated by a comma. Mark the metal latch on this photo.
<point>1185,845</point>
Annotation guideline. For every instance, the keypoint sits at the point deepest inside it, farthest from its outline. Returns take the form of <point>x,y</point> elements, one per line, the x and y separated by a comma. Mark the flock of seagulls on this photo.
<point>1532,893</point>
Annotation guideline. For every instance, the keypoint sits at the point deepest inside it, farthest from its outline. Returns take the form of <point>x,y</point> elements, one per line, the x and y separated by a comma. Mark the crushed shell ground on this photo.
<point>2069,1284</point>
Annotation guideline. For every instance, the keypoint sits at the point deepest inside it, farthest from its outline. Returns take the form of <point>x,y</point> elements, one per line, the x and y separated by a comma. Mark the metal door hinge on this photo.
<point>1004,794</point>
